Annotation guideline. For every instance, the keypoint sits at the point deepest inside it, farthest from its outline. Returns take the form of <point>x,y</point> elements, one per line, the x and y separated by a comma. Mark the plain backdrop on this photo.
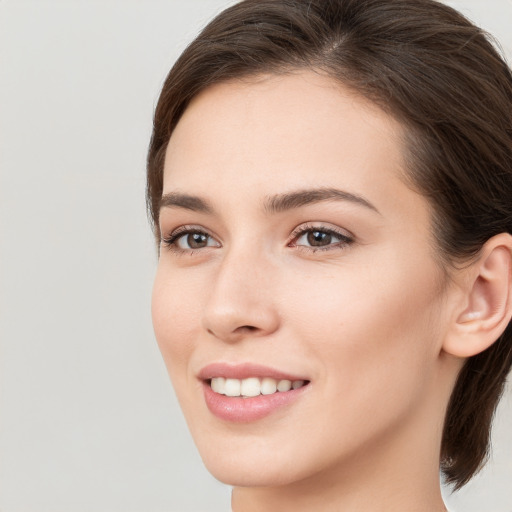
<point>88,419</point>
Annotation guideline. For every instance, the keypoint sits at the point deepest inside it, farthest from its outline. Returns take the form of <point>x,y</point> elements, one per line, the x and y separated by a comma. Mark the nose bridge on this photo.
<point>240,301</point>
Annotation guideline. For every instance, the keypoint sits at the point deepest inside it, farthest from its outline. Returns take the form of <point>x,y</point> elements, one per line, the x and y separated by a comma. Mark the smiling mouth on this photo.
<point>253,386</point>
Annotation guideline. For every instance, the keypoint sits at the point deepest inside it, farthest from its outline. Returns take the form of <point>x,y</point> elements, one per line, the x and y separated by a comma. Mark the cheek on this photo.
<point>374,334</point>
<point>175,319</point>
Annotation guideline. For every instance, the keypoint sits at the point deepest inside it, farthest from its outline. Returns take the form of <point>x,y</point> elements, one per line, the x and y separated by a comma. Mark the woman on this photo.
<point>330,186</point>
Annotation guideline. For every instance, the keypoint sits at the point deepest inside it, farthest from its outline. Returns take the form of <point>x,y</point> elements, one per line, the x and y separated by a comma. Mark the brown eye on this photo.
<point>319,238</point>
<point>190,240</point>
<point>197,240</point>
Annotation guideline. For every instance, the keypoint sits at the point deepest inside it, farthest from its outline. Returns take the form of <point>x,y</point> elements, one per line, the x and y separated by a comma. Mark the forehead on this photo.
<point>271,133</point>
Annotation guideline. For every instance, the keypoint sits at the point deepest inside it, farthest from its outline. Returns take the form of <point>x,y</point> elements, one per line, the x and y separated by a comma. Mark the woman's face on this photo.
<point>293,252</point>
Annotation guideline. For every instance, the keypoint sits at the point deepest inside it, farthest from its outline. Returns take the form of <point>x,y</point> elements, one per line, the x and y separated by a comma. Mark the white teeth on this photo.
<point>252,386</point>
<point>232,387</point>
<point>219,385</point>
<point>284,385</point>
<point>268,386</point>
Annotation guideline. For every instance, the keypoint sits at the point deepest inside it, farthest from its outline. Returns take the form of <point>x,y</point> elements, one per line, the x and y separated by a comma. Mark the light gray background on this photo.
<point>88,420</point>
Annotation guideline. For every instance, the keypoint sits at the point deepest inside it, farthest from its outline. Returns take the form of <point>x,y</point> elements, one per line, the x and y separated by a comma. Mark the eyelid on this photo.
<point>169,241</point>
<point>346,238</point>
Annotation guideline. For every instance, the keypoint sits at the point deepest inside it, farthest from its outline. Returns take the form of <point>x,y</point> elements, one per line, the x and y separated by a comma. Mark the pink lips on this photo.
<point>244,410</point>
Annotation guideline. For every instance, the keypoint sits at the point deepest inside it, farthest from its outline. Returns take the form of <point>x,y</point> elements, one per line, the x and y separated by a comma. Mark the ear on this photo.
<point>485,306</point>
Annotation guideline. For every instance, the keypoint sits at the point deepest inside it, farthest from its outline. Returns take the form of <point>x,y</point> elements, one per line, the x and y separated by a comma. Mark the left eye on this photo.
<point>321,238</point>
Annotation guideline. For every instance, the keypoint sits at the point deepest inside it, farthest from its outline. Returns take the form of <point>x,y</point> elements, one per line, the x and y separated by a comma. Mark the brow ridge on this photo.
<point>296,199</point>
<point>186,201</point>
<point>273,204</point>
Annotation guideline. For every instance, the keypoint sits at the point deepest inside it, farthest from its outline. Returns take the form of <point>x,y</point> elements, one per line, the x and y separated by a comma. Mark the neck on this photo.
<point>336,498</point>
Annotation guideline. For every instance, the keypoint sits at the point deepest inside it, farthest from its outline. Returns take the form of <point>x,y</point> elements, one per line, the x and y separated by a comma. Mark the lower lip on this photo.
<point>245,410</point>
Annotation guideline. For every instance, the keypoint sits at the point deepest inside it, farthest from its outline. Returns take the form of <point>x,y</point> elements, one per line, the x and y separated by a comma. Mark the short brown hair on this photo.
<point>442,78</point>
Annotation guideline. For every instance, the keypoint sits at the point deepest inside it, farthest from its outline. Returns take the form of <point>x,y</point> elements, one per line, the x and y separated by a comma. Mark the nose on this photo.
<point>241,301</point>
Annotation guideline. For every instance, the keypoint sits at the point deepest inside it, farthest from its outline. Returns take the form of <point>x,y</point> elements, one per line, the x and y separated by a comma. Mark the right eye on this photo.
<point>186,240</point>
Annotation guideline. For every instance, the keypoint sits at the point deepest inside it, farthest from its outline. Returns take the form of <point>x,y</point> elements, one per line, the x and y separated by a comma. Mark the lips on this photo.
<point>248,392</point>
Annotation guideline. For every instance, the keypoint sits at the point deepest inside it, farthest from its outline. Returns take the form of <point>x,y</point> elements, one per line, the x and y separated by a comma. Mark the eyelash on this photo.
<point>170,242</point>
<point>345,240</point>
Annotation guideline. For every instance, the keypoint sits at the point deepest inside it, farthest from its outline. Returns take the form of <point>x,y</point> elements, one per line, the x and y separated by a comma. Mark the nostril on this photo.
<point>234,335</point>
<point>246,329</point>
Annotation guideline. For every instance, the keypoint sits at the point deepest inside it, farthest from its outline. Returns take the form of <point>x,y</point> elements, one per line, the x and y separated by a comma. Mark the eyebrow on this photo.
<point>291,200</point>
<point>185,201</point>
<point>273,204</point>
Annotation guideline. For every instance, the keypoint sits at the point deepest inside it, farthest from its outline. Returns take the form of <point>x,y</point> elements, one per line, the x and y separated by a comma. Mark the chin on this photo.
<point>253,460</point>
<point>249,473</point>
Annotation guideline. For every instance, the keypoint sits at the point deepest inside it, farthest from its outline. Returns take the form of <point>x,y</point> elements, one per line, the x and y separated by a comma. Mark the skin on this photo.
<point>365,321</point>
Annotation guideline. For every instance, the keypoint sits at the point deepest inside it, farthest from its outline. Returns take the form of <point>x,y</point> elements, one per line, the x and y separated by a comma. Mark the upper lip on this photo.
<point>244,371</point>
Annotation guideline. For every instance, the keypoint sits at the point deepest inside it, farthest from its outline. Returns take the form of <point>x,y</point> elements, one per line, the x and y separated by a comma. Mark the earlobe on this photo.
<point>487,301</point>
